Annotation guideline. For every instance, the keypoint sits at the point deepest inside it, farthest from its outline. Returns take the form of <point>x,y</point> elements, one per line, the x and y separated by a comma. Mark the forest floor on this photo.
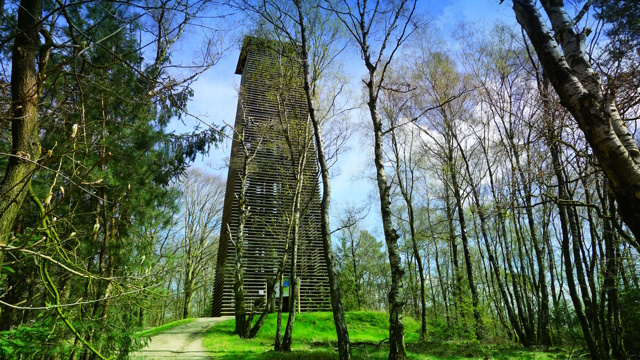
<point>314,337</point>
<point>180,342</point>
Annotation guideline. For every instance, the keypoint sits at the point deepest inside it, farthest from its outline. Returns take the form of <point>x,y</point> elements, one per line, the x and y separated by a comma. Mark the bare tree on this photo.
<point>243,168</point>
<point>392,22</point>
<point>563,54</point>
<point>202,199</point>
<point>405,162</point>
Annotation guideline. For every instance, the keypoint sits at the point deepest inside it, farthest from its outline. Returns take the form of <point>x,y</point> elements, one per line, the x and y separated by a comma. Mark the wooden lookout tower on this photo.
<point>272,119</point>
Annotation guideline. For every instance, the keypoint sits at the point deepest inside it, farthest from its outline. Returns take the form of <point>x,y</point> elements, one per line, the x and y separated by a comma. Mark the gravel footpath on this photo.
<point>181,342</point>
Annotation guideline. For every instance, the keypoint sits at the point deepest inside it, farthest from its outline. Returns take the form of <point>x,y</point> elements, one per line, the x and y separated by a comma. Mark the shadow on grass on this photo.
<point>475,350</point>
<point>163,328</point>
<point>314,339</point>
<point>262,349</point>
<point>277,355</point>
<point>415,350</point>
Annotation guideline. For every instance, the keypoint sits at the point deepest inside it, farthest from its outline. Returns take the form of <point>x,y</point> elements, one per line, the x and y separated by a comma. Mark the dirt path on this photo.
<point>182,342</point>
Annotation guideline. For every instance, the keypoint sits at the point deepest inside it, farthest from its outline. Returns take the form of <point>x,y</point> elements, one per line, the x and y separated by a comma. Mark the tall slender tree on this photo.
<point>393,22</point>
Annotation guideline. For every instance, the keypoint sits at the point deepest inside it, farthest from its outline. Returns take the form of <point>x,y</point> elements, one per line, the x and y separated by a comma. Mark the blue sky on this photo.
<point>215,102</point>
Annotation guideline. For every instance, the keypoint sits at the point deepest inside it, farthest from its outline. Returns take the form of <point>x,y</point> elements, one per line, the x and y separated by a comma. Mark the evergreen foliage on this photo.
<point>102,200</point>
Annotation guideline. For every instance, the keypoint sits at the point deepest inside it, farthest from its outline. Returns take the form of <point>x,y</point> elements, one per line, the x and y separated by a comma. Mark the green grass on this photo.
<point>159,329</point>
<point>314,338</point>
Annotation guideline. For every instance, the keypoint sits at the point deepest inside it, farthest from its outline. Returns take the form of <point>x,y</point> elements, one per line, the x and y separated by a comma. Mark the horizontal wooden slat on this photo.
<point>270,185</point>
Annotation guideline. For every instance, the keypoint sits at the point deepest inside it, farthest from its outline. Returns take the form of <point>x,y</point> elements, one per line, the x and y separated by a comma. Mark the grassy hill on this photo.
<point>314,338</point>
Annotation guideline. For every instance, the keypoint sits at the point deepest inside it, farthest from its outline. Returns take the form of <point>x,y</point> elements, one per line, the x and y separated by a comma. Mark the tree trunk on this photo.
<point>406,189</point>
<point>25,146</point>
<point>278,343</point>
<point>613,267</point>
<point>344,349</point>
<point>465,249</point>
<point>359,26</point>
<point>564,224</point>
<point>487,241</point>
<point>453,246</point>
<point>295,238</point>
<point>397,348</point>
<point>271,291</point>
<point>587,298</point>
<point>440,277</point>
<point>238,285</point>
<point>293,283</point>
<point>543,315</point>
<point>565,60</point>
<point>188,291</point>
<point>242,327</point>
<point>442,289</point>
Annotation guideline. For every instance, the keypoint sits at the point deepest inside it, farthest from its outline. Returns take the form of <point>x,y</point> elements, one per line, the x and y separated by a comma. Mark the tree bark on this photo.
<point>564,58</point>
<point>25,146</point>
<point>277,346</point>
<point>396,302</point>
<point>238,284</point>
<point>406,189</point>
<point>277,279</point>
<point>242,328</point>
<point>293,282</point>
<point>457,286</point>
<point>543,315</point>
<point>298,161</point>
<point>188,290</point>
<point>344,349</point>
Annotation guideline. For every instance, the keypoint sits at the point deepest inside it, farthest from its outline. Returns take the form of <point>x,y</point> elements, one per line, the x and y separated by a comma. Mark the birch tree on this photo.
<point>392,23</point>
<point>562,52</point>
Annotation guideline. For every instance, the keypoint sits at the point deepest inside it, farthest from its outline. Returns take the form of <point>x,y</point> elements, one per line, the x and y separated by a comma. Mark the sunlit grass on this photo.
<point>314,338</point>
<point>159,329</point>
